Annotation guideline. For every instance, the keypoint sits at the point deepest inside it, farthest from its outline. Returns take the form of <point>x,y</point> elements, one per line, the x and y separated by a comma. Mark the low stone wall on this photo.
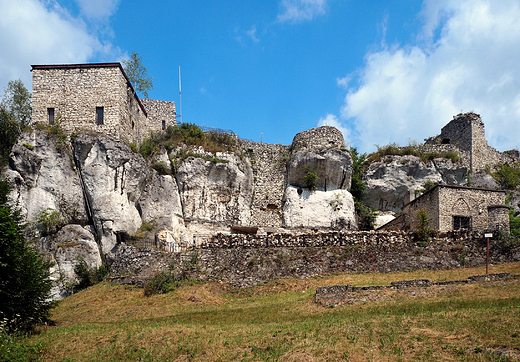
<point>247,265</point>
<point>342,294</point>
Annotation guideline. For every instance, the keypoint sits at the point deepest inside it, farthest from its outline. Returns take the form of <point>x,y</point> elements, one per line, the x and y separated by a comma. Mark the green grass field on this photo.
<point>279,321</point>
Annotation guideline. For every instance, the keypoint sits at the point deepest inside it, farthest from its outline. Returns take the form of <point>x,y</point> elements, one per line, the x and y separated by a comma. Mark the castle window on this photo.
<point>99,115</point>
<point>461,222</point>
<point>50,114</point>
<point>163,125</point>
<point>445,141</point>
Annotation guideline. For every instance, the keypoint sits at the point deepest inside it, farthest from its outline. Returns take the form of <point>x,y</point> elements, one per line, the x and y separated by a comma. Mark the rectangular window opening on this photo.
<point>50,114</point>
<point>461,222</point>
<point>99,115</point>
<point>163,125</point>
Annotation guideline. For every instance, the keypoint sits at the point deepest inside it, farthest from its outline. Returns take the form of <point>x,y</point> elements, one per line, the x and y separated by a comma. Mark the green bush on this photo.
<point>88,276</point>
<point>162,168</point>
<point>514,225</point>
<point>366,216</point>
<point>508,176</point>
<point>49,221</point>
<point>186,134</point>
<point>423,233</point>
<point>310,178</point>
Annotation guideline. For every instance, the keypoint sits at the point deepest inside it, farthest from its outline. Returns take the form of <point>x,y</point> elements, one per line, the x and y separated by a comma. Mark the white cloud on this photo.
<point>296,11</point>
<point>332,120</point>
<point>98,9</point>
<point>42,32</point>
<point>343,82</point>
<point>252,34</point>
<point>466,58</point>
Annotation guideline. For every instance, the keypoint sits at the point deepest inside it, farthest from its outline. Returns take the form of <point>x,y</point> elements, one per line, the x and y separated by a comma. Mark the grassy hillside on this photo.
<point>280,321</point>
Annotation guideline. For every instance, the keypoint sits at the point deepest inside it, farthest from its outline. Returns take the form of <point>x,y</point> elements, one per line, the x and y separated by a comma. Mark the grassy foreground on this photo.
<point>280,321</point>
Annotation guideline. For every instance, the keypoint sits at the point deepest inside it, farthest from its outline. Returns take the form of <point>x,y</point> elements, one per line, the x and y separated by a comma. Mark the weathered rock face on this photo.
<point>333,169</point>
<point>216,192</point>
<point>484,180</point>
<point>332,209</point>
<point>113,177</point>
<point>319,150</point>
<point>390,180</point>
<point>44,178</point>
<point>160,202</point>
<point>72,245</point>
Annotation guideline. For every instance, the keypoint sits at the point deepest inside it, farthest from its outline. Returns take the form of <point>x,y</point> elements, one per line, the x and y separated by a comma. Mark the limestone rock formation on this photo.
<point>319,151</point>
<point>113,177</point>
<point>390,180</point>
<point>44,178</point>
<point>329,209</point>
<point>333,169</point>
<point>216,192</point>
<point>72,245</point>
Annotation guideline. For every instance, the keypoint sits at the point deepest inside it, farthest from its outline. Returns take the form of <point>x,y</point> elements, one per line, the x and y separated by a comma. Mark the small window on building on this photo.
<point>461,222</point>
<point>445,141</point>
<point>99,115</point>
<point>50,114</point>
<point>133,125</point>
<point>163,125</point>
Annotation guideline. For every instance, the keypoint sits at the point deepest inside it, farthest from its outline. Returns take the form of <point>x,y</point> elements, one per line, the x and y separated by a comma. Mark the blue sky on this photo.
<point>381,71</point>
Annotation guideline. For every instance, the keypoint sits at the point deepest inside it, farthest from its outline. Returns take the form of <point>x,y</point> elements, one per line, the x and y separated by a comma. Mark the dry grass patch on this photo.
<point>279,321</point>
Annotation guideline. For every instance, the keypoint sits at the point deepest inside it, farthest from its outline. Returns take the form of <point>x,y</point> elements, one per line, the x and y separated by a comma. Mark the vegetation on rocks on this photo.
<point>393,149</point>
<point>186,134</point>
<point>310,178</point>
<point>366,216</point>
<point>507,175</point>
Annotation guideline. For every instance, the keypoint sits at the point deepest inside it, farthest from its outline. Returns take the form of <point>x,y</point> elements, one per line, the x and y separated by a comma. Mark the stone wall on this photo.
<point>444,202</point>
<point>318,139</point>
<point>159,111</point>
<point>305,255</point>
<point>268,162</point>
<point>466,132</point>
<point>75,91</point>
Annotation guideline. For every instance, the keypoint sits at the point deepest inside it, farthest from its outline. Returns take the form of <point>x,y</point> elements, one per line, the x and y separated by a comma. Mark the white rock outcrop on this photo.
<point>330,209</point>
<point>44,178</point>
<point>216,192</point>
<point>113,177</point>
<point>72,245</point>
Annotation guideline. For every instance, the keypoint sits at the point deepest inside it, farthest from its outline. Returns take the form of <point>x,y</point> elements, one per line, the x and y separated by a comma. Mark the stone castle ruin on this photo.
<point>97,97</point>
<point>256,196</point>
<point>465,134</point>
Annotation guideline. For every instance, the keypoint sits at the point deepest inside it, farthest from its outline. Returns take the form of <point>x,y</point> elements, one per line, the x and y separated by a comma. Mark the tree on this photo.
<point>24,274</point>
<point>366,216</point>
<point>17,102</point>
<point>138,74</point>
<point>15,114</point>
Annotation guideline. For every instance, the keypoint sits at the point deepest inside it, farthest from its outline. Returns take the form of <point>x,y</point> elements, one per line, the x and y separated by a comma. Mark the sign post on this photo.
<point>487,236</point>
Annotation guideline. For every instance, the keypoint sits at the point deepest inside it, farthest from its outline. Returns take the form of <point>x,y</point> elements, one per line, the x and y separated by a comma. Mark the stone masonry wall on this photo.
<point>444,202</point>
<point>74,93</point>
<point>468,202</point>
<point>250,260</point>
<point>158,111</point>
<point>268,162</point>
<point>466,132</point>
<point>318,139</point>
